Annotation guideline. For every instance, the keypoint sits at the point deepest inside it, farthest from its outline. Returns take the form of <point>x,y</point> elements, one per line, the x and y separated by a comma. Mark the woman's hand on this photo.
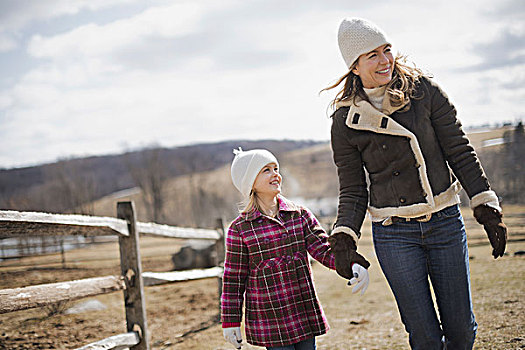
<point>345,252</point>
<point>233,335</point>
<point>360,279</point>
<point>496,230</point>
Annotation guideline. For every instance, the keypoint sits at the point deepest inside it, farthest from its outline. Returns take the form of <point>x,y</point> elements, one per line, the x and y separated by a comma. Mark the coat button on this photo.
<point>284,236</point>
<point>396,173</point>
<point>402,200</point>
<point>266,240</point>
<point>383,146</point>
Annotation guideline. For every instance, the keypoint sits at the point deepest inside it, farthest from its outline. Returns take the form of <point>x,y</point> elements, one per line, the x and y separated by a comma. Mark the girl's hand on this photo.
<point>361,279</point>
<point>233,335</point>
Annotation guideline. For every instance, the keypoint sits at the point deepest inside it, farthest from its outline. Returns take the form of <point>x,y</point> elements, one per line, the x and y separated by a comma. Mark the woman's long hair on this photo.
<point>400,89</point>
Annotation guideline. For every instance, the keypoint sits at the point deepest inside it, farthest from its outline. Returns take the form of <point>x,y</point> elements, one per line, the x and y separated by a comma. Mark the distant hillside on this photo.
<point>68,184</point>
<point>196,186</point>
<point>198,199</point>
<point>309,176</point>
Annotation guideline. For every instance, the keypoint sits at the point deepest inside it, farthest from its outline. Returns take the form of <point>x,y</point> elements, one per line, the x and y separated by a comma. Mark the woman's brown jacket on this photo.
<point>416,156</point>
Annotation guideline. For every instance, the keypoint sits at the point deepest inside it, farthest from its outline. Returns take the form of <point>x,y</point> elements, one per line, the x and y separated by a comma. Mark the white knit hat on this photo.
<point>358,36</point>
<point>247,165</point>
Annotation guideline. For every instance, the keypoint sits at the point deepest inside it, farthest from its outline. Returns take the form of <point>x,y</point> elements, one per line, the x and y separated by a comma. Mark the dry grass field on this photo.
<point>184,315</point>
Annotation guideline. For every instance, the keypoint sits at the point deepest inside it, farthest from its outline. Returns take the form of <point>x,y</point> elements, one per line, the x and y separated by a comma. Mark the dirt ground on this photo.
<point>184,315</point>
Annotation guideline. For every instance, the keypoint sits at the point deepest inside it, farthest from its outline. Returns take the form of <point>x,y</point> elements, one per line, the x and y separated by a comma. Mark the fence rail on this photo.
<point>15,223</point>
<point>44,294</point>
<point>132,280</point>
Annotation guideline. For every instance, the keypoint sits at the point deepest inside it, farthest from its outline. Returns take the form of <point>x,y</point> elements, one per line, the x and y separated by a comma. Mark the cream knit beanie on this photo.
<point>358,36</point>
<point>247,165</point>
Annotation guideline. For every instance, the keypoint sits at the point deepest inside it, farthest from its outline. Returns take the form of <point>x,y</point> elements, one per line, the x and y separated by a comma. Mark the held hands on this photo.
<point>360,279</point>
<point>496,230</point>
<point>233,335</point>
<point>345,251</point>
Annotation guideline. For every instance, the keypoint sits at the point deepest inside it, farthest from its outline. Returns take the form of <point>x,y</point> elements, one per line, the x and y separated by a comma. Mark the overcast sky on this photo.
<point>91,77</point>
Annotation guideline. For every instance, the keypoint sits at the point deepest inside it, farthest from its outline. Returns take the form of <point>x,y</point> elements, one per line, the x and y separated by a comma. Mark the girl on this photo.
<point>399,125</point>
<point>266,264</point>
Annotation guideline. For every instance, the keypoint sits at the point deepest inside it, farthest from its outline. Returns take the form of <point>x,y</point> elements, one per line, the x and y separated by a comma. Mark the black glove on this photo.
<point>490,218</point>
<point>345,251</point>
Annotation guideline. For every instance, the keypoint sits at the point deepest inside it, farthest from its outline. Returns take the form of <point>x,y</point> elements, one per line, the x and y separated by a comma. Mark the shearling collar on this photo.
<point>386,108</point>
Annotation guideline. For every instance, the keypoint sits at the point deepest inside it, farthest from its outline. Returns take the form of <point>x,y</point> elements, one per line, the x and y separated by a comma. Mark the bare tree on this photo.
<point>71,188</point>
<point>150,174</point>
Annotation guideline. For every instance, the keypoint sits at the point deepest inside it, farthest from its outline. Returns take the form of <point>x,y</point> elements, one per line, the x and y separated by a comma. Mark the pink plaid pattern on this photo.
<point>267,267</point>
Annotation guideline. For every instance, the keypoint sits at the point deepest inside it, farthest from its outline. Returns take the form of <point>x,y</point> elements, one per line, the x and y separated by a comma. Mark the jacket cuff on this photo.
<point>348,231</point>
<point>230,324</point>
<point>487,197</point>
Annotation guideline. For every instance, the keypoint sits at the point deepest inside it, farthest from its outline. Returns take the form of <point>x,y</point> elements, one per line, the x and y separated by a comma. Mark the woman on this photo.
<point>397,124</point>
<point>266,265</point>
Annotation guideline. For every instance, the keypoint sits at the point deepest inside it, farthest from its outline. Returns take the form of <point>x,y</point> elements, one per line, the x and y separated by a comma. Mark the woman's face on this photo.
<point>268,181</point>
<point>375,67</point>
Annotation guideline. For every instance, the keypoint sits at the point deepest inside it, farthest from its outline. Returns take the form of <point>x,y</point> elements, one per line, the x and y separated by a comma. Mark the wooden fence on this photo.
<point>131,281</point>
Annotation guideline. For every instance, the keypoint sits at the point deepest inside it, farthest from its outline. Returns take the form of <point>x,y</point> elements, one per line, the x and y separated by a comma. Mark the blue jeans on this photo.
<point>308,344</point>
<point>411,253</point>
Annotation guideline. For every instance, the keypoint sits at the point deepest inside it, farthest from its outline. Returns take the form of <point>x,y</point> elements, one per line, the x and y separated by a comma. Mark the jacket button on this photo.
<point>396,173</point>
<point>383,146</point>
<point>284,236</point>
<point>402,200</point>
<point>266,240</point>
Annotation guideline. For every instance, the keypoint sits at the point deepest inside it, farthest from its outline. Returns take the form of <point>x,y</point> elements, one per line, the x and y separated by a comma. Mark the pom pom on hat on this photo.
<point>357,36</point>
<point>246,166</point>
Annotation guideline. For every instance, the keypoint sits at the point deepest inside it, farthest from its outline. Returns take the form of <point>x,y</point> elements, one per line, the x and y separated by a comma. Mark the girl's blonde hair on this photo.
<point>250,204</point>
<point>400,89</point>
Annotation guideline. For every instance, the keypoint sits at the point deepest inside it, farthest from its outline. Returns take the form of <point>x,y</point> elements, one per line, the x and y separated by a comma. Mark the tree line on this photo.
<point>504,165</point>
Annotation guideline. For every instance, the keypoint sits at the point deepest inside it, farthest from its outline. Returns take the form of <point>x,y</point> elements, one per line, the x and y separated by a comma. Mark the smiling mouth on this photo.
<point>384,71</point>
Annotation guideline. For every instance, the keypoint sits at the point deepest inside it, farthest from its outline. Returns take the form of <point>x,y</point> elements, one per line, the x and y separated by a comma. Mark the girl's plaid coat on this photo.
<point>267,264</point>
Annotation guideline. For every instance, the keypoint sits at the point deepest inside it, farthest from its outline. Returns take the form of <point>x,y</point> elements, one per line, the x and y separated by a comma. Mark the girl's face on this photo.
<point>375,67</point>
<point>268,181</point>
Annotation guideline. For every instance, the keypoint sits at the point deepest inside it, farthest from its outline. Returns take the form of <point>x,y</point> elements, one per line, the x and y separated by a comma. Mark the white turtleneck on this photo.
<point>376,96</point>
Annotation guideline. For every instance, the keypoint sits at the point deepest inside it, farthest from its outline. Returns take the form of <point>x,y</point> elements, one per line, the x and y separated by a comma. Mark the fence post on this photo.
<point>131,268</point>
<point>62,253</point>
<point>221,249</point>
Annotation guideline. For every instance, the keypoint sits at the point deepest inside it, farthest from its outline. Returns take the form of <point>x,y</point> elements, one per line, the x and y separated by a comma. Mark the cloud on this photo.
<point>514,9</point>
<point>501,44</point>
<point>7,43</point>
<point>95,40</point>
<point>165,36</point>
<point>507,49</point>
<point>16,16</point>
<point>200,71</point>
